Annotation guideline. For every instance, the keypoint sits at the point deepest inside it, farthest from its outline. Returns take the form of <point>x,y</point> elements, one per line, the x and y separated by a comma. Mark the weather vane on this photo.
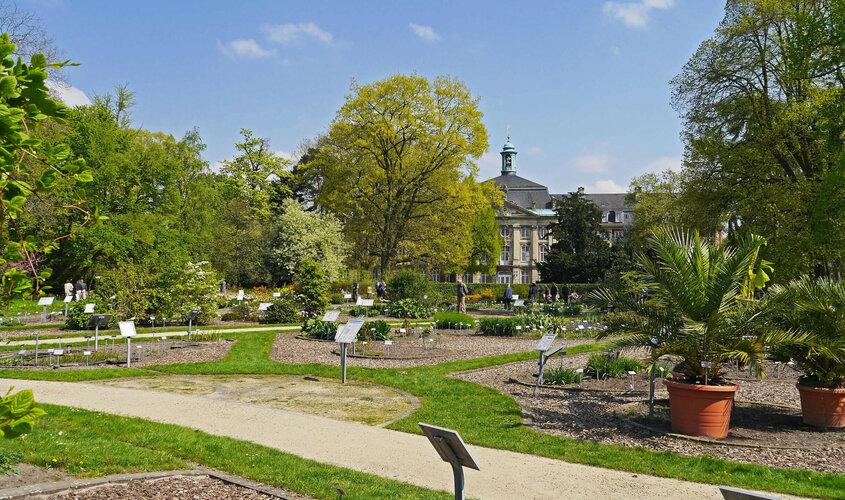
<point>509,132</point>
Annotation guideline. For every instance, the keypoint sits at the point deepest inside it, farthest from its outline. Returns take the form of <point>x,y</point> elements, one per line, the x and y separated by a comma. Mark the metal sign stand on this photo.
<point>68,300</point>
<point>127,330</point>
<point>329,317</point>
<point>544,357</point>
<point>97,321</point>
<point>45,301</point>
<point>191,317</point>
<point>346,335</point>
<point>451,449</point>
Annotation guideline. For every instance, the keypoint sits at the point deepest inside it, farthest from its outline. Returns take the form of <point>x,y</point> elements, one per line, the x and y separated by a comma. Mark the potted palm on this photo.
<point>818,307</point>
<point>695,310</point>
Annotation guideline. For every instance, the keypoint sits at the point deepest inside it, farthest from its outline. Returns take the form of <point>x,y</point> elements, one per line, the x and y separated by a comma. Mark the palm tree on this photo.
<point>694,307</point>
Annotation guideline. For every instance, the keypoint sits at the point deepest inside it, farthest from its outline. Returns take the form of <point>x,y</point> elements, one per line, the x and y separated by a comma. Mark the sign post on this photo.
<point>545,353</point>
<point>96,321</point>
<point>127,330</point>
<point>346,335</point>
<point>191,317</point>
<point>68,300</point>
<point>451,449</point>
<point>45,301</point>
<point>330,317</point>
<point>36,348</point>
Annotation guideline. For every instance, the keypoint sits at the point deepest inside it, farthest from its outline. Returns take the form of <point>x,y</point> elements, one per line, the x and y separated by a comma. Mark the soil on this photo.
<point>31,474</point>
<point>592,415</point>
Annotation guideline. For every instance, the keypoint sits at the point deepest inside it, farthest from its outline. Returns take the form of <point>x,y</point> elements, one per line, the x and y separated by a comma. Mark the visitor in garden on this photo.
<point>77,290</point>
<point>463,291</point>
<point>532,293</point>
<point>68,288</point>
<point>223,289</point>
<point>564,293</point>
<point>508,297</point>
<point>554,292</point>
<point>355,292</point>
<point>84,289</point>
<point>574,297</point>
<point>381,286</point>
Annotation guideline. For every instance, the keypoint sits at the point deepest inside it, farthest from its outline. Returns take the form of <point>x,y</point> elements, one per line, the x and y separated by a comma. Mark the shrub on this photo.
<point>336,298</point>
<point>231,316</point>
<point>560,376</point>
<point>318,329</point>
<point>408,308</point>
<point>375,330</point>
<point>407,285</point>
<point>8,460</point>
<point>611,366</point>
<point>374,310</point>
<point>505,327</point>
<point>284,309</point>
<point>448,319</point>
<point>312,288</point>
<point>77,319</point>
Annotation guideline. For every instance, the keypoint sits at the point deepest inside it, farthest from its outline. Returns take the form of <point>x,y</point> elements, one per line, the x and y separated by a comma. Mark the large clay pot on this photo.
<point>700,410</point>
<point>822,407</point>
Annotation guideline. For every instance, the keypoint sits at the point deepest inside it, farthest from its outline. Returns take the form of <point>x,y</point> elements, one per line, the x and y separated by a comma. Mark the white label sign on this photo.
<point>545,342</point>
<point>68,298</point>
<point>515,297</point>
<point>388,342</point>
<point>277,294</point>
<point>366,302</point>
<point>45,301</point>
<point>347,296</point>
<point>264,306</point>
<point>86,353</point>
<point>348,332</point>
<point>240,295</point>
<point>518,303</point>
<point>89,308</point>
<point>58,352</point>
<point>331,316</point>
<point>127,328</point>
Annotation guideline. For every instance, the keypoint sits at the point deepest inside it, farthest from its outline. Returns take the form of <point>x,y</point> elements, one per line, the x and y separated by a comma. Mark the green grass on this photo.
<point>486,417</point>
<point>94,444</point>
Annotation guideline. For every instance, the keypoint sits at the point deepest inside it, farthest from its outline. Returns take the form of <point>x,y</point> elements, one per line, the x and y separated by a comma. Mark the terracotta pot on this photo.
<point>822,407</point>
<point>700,410</point>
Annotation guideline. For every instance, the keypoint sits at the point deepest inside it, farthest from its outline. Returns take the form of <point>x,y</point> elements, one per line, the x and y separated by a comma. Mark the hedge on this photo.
<point>498,289</point>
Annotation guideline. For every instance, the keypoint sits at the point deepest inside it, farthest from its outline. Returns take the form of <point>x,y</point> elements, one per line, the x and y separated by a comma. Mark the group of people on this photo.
<point>78,290</point>
<point>543,293</point>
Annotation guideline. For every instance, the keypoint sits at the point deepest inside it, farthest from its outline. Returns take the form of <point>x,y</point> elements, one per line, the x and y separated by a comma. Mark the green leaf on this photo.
<point>84,176</point>
<point>39,61</point>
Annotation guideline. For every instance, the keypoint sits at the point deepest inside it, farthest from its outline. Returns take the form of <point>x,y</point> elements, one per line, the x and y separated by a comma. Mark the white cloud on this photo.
<point>425,32</point>
<point>286,34</point>
<point>673,163</point>
<point>69,94</point>
<point>248,49</point>
<point>536,151</point>
<point>598,163</point>
<point>615,50</point>
<point>635,13</point>
<point>604,186</point>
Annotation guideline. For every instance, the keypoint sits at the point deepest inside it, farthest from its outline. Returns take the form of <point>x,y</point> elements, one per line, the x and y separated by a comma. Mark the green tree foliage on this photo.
<point>31,166</point>
<point>763,103</point>
<point>656,201</point>
<point>408,285</point>
<point>484,234</point>
<point>312,288</point>
<point>301,235</point>
<point>582,253</point>
<point>253,172</point>
<point>399,166</point>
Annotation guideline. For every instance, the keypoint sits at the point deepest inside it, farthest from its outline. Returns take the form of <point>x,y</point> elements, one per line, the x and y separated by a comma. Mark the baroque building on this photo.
<point>524,219</point>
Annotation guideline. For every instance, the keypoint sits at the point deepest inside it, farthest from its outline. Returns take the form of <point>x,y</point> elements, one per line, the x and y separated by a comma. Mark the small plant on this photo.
<point>18,413</point>
<point>317,329</point>
<point>408,308</point>
<point>446,320</point>
<point>610,366</point>
<point>560,376</point>
<point>285,309</point>
<point>375,330</point>
<point>8,460</point>
<point>503,327</point>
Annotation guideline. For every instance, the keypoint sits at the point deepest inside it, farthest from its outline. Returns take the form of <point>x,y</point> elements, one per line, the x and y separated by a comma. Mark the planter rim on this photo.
<point>827,390</point>
<point>699,387</point>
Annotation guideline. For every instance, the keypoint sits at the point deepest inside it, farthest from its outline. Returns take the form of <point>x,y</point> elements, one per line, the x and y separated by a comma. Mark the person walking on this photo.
<point>508,297</point>
<point>564,293</point>
<point>532,293</point>
<point>84,288</point>
<point>355,292</point>
<point>68,288</point>
<point>77,290</point>
<point>463,291</point>
<point>554,293</point>
<point>223,290</point>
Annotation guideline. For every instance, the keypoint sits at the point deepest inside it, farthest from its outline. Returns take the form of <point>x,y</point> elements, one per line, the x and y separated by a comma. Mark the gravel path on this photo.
<point>392,454</point>
<point>185,487</point>
<point>590,416</point>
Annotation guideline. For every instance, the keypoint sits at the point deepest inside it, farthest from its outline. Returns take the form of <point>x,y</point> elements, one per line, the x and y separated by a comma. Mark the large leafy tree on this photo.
<point>253,171</point>
<point>582,252</point>
<point>763,103</point>
<point>398,166</point>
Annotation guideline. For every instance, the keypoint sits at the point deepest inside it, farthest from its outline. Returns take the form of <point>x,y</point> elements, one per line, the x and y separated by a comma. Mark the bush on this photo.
<point>407,285</point>
<point>560,376</point>
<point>375,330</point>
<point>445,320</point>
<point>336,298</point>
<point>77,319</point>
<point>231,316</point>
<point>611,366</point>
<point>284,309</point>
<point>374,310</point>
<point>408,308</point>
<point>312,288</point>
<point>318,329</point>
<point>505,327</point>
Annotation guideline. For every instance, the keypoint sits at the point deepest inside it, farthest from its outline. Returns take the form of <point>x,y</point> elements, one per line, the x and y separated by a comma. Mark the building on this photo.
<point>524,219</point>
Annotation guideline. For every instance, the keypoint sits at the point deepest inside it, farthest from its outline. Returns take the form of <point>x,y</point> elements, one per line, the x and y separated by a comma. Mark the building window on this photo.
<point>503,278</point>
<point>526,278</point>
<point>629,216</point>
<point>525,253</point>
<point>435,276</point>
<point>506,253</point>
<point>505,231</point>
<point>526,233</point>
<point>544,233</point>
<point>485,278</point>
<point>544,250</point>
<point>484,258</point>
<point>604,216</point>
<point>611,216</point>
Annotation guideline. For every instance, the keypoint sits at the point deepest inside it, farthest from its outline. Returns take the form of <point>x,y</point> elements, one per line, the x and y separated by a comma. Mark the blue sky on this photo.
<point>582,83</point>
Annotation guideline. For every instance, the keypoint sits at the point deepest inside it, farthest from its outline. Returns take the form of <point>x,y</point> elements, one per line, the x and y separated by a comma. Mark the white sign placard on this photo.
<point>545,342</point>
<point>127,328</point>
<point>331,316</point>
<point>518,303</point>
<point>388,342</point>
<point>366,302</point>
<point>277,294</point>
<point>347,296</point>
<point>348,332</point>
<point>240,295</point>
<point>89,308</point>
<point>264,306</point>
<point>515,297</point>
<point>86,353</point>
<point>45,301</point>
<point>58,352</point>
<point>68,298</point>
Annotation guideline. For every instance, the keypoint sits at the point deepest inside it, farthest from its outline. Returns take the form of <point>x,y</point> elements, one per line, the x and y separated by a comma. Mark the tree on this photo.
<point>655,198</point>
<point>254,170</point>
<point>763,103</point>
<point>399,166</point>
<point>300,235</point>
<point>582,251</point>
<point>484,231</point>
<point>312,288</point>
<point>26,31</point>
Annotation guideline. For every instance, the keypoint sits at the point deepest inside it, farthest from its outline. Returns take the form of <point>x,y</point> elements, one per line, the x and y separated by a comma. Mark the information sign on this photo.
<point>240,295</point>
<point>453,451</point>
<point>68,299</point>
<point>58,352</point>
<point>127,328</point>
<point>276,295</point>
<point>545,342</point>
<point>331,316</point>
<point>348,333</point>
<point>264,306</point>
<point>518,303</point>
<point>89,308</point>
<point>515,297</point>
<point>366,302</point>
<point>46,301</point>
<point>347,296</point>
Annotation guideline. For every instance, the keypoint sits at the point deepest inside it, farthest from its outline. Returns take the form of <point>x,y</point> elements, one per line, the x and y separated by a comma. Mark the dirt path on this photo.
<point>396,455</point>
<point>110,333</point>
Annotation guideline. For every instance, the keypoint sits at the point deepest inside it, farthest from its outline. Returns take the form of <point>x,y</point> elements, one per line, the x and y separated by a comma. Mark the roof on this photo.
<point>513,181</point>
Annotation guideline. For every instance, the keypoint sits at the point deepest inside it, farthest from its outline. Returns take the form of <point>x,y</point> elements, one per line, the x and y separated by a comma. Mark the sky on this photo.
<point>583,84</point>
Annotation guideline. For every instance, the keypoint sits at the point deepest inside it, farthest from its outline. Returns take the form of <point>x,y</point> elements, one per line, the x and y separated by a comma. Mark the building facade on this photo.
<point>524,219</point>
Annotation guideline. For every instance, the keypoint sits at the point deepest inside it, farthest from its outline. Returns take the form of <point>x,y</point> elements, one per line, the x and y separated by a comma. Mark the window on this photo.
<point>484,258</point>
<point>544,250</point>
<point>485,278</point>
<point>506,253</point>
<point>435,276</point>
<point>525,253</point>
<point>505,231</point>
<point>526,278</point>
<point>611,216</point>
<point>544,233</point>
<point>629,216</point>
<point>604,216</point>
<point>503,278</point>
<point>526,233</point>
